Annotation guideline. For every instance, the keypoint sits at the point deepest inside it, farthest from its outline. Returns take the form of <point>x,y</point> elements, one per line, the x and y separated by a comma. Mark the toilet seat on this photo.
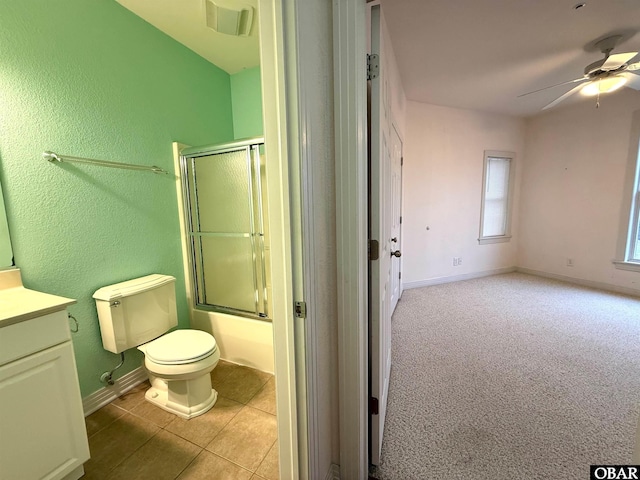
<point>180,347</point>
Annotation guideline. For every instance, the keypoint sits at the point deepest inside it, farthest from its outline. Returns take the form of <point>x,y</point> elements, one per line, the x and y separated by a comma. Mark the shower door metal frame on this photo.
<point>187,157</point>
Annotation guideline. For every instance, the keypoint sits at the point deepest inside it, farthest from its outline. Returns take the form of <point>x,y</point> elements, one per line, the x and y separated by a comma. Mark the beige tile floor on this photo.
<point>236,440</point>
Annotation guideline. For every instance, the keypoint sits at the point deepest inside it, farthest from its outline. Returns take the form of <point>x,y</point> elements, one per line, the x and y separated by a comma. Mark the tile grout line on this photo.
<point>200,449</point>
<point>126,457</point>
<point>214,437</point>
<point>110,423</point>
<point>189,464</point>
<point>265,457</point>
<point>252,472</point>
<point>232,461</point>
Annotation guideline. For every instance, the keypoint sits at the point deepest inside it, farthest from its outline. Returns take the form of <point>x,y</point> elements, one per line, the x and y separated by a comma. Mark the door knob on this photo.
<point>396,253</point>
<point>394,239</point>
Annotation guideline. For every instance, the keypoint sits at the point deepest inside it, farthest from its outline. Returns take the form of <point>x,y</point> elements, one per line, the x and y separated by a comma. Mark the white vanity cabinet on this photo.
<point>42,428</point>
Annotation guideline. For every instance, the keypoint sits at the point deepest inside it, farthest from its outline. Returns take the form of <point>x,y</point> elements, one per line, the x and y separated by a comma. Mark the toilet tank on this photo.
<point>136,311</point>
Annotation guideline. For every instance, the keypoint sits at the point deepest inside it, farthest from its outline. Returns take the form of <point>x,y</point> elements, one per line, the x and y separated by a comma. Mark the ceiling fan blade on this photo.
<point>617,60</point>
<point>634,66</point>
<point>581,79</point>
<point>561,98</point>
<point>633,79</point>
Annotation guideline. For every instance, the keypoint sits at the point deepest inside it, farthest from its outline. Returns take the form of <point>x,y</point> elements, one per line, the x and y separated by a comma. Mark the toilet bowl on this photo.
<point>178,365</point>
<point>138,313</point>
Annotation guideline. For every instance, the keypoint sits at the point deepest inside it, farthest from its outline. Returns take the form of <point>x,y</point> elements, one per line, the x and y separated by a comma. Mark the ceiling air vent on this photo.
<point>228,18</point>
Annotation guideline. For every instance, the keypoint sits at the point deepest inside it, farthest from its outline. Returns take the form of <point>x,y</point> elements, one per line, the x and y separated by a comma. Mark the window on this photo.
<point>633,247</point>
<point>495,214</point>
<point>629,241</point>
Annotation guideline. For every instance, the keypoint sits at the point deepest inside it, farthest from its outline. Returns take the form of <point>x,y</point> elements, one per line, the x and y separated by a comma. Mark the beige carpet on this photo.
<point>511,377</point>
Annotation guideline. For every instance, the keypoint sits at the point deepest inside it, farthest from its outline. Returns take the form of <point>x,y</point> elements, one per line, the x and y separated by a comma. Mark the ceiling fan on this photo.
<point>603,76</point>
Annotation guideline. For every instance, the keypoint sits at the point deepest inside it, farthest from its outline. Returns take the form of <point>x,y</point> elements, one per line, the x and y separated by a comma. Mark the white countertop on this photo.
<point>18,303</point>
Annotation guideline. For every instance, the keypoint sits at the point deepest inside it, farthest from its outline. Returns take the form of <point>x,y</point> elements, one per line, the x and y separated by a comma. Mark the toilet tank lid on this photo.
<point>132,287</point>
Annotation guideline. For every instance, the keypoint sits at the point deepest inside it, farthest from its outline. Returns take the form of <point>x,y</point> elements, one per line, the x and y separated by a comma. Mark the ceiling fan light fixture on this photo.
<point>604,85</point>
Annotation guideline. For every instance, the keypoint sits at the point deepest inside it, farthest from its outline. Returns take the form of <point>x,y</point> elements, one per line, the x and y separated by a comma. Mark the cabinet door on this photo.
<point>42,429</point>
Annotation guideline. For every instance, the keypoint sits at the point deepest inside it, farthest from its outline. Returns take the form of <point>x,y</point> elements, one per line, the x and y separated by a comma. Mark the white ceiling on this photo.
<point>482,54</point>
<point>476,54</point>
<point>185,21</point>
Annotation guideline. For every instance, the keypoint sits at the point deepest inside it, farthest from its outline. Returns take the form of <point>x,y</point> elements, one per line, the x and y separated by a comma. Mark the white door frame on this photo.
<point>283,119</point>
<point>350,112</point>
<point>278,43</point>
<point>289,35</point>
<point>380,226</point>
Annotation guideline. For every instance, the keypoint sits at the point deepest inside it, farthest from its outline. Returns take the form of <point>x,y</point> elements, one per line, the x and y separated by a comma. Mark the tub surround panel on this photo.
<point>241,340</point>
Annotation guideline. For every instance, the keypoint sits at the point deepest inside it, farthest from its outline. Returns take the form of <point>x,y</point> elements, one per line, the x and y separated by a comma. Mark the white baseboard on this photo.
<point>106,395</point>
<point>77,473</point>
<point>333,473</point>
<point>585,283</point>
<point>563,278</point>
<point>456,278</point>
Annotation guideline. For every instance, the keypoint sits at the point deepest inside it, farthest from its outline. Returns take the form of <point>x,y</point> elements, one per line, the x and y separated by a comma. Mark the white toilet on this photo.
<point>138,313</point>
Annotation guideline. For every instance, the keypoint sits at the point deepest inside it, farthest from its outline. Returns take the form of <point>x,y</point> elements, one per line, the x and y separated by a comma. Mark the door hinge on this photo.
<point>400,275</point>
<point>300,309</point>
<point>374,250</point>
<point>400,219</point>
<point>374,406</point>
<point>373,66</point>
<point>401,161</point>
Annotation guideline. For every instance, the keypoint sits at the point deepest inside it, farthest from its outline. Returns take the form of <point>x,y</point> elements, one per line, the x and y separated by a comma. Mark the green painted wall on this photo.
<point>88,78</point>
<point>246,95</point>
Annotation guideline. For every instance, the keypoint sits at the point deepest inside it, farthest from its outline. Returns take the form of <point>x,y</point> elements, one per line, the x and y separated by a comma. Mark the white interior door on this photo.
<point>380,221</point>
<point>396,218</point>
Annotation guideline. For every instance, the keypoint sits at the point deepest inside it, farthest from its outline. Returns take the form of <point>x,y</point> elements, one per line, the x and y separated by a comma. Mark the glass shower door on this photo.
<point>225,216</point>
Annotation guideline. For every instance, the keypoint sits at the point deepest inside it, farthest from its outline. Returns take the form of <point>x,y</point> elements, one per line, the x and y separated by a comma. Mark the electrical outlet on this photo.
<point>455,261</point>
<point>459,260</point>
<point>569,262</point>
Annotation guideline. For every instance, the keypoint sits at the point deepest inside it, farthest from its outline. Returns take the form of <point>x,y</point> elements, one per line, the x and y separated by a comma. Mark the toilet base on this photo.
<point>185,398</point>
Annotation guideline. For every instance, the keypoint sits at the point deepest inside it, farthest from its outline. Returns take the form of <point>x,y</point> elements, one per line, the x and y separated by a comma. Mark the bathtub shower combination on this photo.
<point>228,240</point>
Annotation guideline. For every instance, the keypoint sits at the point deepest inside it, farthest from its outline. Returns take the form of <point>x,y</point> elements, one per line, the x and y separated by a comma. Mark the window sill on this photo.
<point>630,266</point>
<point>488,240</point>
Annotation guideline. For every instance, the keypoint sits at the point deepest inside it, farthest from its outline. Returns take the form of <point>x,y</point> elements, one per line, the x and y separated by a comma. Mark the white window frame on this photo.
<point>511,157</point>
<point>627,260</point>
<point>633,243</point>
